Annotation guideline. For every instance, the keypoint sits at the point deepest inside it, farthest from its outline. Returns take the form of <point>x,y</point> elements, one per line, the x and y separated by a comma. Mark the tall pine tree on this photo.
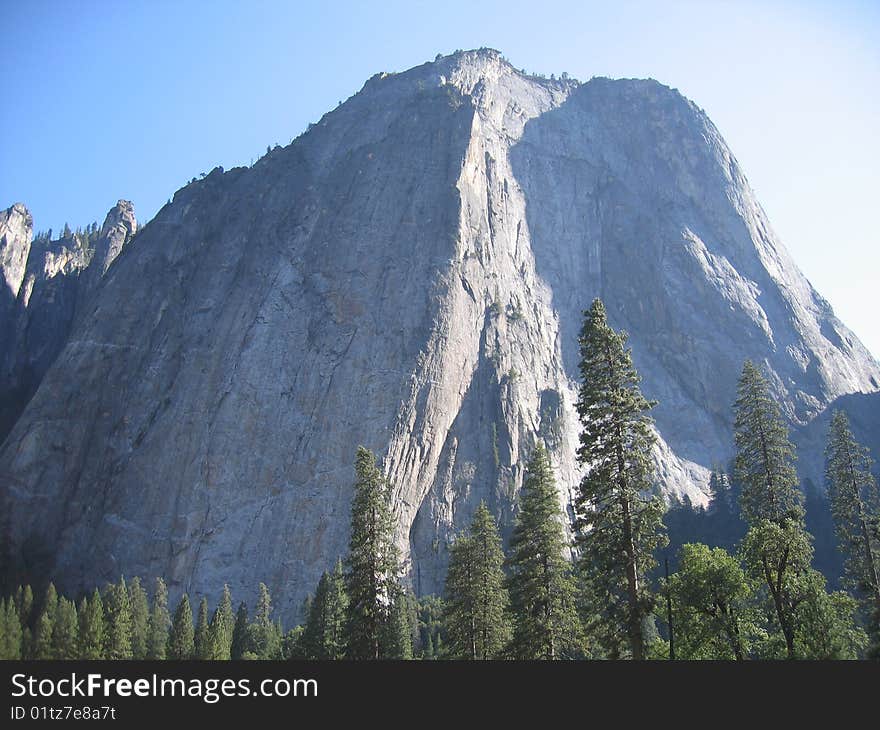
<point>240,634</point>
<point>618,521</point>
<point>65,631</point>
<point>11,634</point>
<point>855,507</point>
<point>181,637</point>
<point>91,627</point>
<point>140,617</point>
<point>477,602</point>
<point>42,641</point>
<point>160,621</point>
<point>372,565</point>
<point>265,637</point>
<point>777,548</point>
<point>541,584</point>
<point>221,627</point>
<point>117,609</point>
<point>201,641</point>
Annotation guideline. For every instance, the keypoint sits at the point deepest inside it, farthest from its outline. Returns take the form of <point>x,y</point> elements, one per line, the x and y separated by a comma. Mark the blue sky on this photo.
<point>131,99</point>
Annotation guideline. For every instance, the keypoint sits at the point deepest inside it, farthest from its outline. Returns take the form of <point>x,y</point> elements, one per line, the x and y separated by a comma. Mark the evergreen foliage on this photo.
<point>65,631</point>
<point>240,638</point>
<point>372,565</point>
<point>764,465</point>
<point>618,521</point>
<point>202,646</point>
<point>221,628</point>
<point>91,627</point>
<point>541,585</point>
<point>324,631</point>
<point>160,621</point>
<point>41,647</point>
<point>140,618</point>
<point>181,638</point>
<point>477,602</point>
<point>855,507</point>
<point>117,613</point>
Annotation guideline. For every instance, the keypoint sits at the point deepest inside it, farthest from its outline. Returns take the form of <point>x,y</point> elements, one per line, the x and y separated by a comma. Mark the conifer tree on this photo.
<point>201,640</point>
<point>618,522</point>
<point>777,548</point>
<point>477,602</point>
<point>140,618</point>
<point>396,633</point>
<point>265,639</point>
<point>160,621</point>
<point>855,507</point>
<point>181,637</point>
<point>24,602</point>
<point>11,636</point>
<point>323,635</point>
<point>764,465</point>
<point>65,631</point>
<point>541,586</point>
<point>221,627</point>
<point>91,627</point>
<point>117,611</point>
<point>240,635</point>
<point>372,562</point>
<point>42,641</point>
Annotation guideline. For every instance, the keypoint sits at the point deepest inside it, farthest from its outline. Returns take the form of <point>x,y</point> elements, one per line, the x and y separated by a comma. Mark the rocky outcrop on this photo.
<point>408,275</point>
<point>59,277</point>
<point>119,227</point>
<point>16,229</point>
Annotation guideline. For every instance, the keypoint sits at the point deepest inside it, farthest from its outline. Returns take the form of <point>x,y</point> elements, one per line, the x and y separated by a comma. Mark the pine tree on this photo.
<point>764,465</point>
<point>160,621</point>
<point>477,602</point>
<point>201,640</point>
<point>140,618</point>
<point>855,507</point>
<point>65,631</point>
<point>91,627</point>
<point>396,634</point>
<point>372,561</point>
<point>220,629</point>
<point>264,636</point>
<point>618,522</point>
<point>541,585</point>
<point>181,637</point>
<point>324,631</point>
<point>240,635</point>
<point>117,610</point>
<point>42,642</point>
<point>11,637</point>
<point>24,602</point>
<point>777,548</point>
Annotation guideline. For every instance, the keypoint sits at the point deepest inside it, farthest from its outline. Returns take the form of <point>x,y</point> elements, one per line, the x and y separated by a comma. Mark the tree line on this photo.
<point>549,596</point>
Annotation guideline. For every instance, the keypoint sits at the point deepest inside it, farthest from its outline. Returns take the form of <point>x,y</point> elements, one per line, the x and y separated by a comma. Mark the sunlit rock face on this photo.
<point>410,275</point>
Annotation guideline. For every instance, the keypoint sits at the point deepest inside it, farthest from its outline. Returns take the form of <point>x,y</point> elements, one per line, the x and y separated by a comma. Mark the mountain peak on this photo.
<point>410,275</point>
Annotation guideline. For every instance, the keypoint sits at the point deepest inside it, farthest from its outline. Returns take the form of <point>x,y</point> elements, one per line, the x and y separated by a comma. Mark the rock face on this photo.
<point>408,275</point>
<point>16,228</point>
<point>59,277</point>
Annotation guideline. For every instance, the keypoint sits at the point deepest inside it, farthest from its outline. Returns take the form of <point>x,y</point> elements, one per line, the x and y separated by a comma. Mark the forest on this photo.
<point>590,587</point>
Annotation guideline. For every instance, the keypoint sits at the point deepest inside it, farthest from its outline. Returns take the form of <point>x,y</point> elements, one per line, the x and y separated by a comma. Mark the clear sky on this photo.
<point>132,98</point>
